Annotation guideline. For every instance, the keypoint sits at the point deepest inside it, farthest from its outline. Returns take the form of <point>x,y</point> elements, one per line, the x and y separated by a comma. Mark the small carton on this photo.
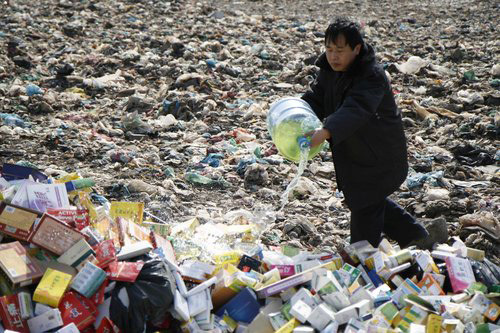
<point>17,221</point>
<point>354,326</point>
<point>414,315</point>
<point>25,305</point>
<point>88,280</point>
<point>485,306</point>
<point>10,313</point>
<point>429,286</point>
<point>277,320</point>
<point>243,307</point>
<point>305,296</point>
<point>19,268</point>
<point>75,218</point>
<point>303,329</point>
<point>288,328</point>
<point>55,236</point>
<point>388,311</point>
<point>125,271</point>
<point>301,311</point>
<point>73,311</point>
<point>460,273</point>
<point>433,323</point>
<point>76,254</point>
<point>321,316</point>
<point>199,302</point>
<point>52,287</point>
<point>261,323</point>
<point>416,328</point>
<point>285,284</point>
<point>406,288</point>
<point>331,328</point>
<point>47,321</point>
<point>134,250</point>
<point>70,328</point>
<point>426,263</point>
<point>105,253</point>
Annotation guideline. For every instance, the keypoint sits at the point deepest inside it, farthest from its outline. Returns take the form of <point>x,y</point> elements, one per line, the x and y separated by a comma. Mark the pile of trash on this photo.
<point>136,161</point>
<point>72,261</point>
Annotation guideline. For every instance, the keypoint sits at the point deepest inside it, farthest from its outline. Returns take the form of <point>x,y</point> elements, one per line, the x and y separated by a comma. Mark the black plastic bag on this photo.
<point>150,297</point>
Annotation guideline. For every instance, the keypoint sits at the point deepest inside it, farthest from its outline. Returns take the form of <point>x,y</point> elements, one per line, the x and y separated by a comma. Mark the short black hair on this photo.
<point>349,29</point>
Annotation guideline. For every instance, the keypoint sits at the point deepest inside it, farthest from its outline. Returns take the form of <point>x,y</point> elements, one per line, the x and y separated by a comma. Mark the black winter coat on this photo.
<point>367,138</point>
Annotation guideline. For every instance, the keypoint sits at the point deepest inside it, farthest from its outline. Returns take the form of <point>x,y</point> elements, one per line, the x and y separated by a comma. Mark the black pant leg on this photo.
<point>368,223</point>
<point>400,225</point>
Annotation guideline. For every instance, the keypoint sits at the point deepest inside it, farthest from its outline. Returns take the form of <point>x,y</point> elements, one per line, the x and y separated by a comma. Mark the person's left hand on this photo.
<point>318,137</point>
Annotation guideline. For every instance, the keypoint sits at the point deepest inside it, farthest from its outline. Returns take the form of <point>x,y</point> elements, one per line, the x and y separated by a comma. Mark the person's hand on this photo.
<point>318,137</point>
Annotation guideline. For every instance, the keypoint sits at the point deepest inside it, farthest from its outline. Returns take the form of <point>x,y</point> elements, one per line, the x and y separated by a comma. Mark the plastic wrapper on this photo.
<point>150,297</point>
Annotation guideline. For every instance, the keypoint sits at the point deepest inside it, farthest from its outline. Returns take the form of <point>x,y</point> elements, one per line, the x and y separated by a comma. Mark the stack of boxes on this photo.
<point>58,274</point>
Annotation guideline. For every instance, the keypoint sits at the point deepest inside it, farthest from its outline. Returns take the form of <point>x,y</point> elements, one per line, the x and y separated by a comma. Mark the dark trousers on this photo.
<point>387,217</point>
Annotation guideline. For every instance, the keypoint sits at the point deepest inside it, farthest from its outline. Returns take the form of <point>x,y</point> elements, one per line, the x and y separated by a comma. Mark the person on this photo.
<point>353,97</point>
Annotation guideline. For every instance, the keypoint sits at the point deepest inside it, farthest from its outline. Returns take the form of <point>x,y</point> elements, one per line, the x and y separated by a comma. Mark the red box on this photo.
<point>75,218</point>
<point>10,313</point>
<point>105,253</point>
<point>74,311</point>
<point>107,326</point>
<point>54,235</point>
<point>125,271</point>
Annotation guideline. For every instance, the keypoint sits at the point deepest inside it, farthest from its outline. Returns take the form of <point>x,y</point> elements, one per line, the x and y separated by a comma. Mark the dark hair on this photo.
<point>343,26</point>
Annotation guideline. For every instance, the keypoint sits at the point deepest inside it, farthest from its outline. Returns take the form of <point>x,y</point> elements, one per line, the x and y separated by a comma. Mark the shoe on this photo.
<point>418,237</point>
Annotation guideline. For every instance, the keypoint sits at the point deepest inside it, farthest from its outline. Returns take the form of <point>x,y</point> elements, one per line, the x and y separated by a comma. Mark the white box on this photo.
<point>321,316</point>
<point>333,327</point>
<point>301,311</point>
<point>338,300</point>
<point>46,321</point>
<point>70,328</point>
<point>303,329</point>
<point>305,296</point>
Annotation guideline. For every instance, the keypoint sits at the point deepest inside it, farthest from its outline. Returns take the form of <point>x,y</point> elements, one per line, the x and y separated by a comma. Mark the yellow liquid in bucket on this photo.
<point>285,138</point>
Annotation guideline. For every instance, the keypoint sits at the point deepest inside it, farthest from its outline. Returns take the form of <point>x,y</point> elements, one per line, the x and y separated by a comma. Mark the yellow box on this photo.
<point>433,323</point>
<point>288,327</point>
<point>52,287</point>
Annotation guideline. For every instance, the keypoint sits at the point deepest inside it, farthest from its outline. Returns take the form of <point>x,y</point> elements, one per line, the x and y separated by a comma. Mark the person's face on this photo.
<point>340,55</point>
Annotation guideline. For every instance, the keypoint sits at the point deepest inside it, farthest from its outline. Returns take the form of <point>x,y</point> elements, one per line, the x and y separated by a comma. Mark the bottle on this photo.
<point>288,120</point>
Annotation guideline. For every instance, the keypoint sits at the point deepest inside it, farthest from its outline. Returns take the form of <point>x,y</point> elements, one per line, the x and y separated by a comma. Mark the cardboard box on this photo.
<point>221,292</point>
<point>261,323</point>
<point>47,321</point>
<point>19,268</point>
<point>73,311</point>
<point>284,284</point>
<point>125,271</point>
<point>52,287</point>
<point>17,221</point>
<point>321,316</point>
<point>55,236</point>
<point>460,273</point>
<point>10,313</point>
<point>88,280</point>
<point>70,328</point>
<point>76,254</point>
<point>243,307</point>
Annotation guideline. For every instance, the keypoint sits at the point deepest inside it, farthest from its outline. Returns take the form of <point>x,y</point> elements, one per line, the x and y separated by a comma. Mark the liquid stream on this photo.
<point>304,155</point>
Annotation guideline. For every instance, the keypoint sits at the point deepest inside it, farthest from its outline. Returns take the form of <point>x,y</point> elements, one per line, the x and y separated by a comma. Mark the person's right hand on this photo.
<point>318,137</point>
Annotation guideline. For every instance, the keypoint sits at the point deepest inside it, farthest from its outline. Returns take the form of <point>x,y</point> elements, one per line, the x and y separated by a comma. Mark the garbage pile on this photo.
<point>139,128</point>
<point>164,102</point>
<point>70,264</point>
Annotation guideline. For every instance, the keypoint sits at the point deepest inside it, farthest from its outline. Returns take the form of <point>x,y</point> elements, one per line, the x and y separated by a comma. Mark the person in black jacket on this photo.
<point>353,97</point>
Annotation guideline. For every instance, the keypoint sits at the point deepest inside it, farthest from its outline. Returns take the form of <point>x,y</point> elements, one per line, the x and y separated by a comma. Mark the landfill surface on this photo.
<point>150,117</point>
<point>145,97</point>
